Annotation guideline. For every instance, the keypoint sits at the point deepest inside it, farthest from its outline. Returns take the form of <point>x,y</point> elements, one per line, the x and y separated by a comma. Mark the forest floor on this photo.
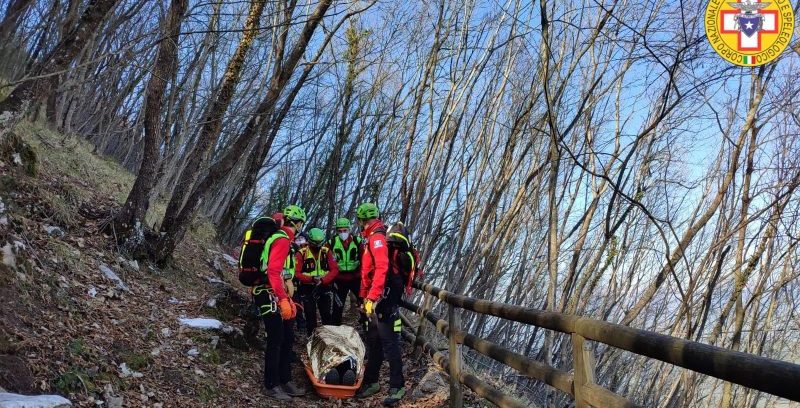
<point>67,328</point>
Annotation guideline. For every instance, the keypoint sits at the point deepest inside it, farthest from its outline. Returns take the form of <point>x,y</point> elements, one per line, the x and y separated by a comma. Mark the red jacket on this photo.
<point>333,269</point>
<point>374,261</point>
<point>277,257</point>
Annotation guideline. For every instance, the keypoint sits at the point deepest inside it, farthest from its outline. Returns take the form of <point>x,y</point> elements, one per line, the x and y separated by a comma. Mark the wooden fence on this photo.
<point>775,377</point>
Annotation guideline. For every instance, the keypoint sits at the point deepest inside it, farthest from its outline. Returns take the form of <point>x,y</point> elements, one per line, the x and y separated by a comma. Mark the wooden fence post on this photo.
<point>426,304</point>
<point>456,393</point>
<point>584,369</point>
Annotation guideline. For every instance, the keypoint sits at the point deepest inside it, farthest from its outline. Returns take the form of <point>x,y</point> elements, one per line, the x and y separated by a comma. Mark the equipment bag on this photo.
<point>403,257</point>
<point>255,238</point>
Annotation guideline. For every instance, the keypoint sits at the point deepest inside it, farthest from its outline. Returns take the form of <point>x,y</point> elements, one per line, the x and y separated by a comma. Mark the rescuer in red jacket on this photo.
<point>381,308</point>
<point>277,310</point>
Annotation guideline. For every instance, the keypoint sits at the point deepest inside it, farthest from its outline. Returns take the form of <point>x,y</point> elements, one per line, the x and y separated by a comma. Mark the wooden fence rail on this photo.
<point>775,377</point>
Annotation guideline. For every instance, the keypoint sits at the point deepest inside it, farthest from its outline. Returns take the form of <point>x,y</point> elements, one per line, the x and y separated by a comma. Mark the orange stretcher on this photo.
<point>332,391</point>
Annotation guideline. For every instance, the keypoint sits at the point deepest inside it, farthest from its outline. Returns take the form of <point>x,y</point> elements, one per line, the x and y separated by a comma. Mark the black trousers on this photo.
<point>278,353</point>
<point>316,299</point>
<point>301,317</point>
<point>342,289</point>
<point>383,343</point>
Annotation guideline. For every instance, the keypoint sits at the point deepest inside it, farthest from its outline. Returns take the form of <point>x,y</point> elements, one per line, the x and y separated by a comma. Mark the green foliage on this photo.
<point>136,361</point>
<point>76,379</point>
<point>207,391</point>
<point>61,212</point>
<point>355,40</point>
<point>77,347</point>
<point>59,155</point>
<point>212,357</point>
<point>66,254</point>
<point>613,249</point>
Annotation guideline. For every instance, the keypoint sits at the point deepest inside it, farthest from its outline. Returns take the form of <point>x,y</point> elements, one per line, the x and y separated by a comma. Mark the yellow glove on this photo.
<point>369,307</point>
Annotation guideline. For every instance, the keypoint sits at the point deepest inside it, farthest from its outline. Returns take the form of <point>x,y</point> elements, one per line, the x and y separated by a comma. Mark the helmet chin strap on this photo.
<point>293,224</point>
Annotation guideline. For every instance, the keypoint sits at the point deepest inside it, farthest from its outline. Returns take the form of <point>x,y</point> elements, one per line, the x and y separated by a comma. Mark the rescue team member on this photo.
<point>383,330</point>
<point>345,248</point>
<point>276,307</point>
<point>319,269</point>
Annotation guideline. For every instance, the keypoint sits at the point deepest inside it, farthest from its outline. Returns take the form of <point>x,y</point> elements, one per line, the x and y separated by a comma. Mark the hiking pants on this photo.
<point>383,343</point>
<point>342,289</point>
<point>321,299</point>
<point>280,337</point>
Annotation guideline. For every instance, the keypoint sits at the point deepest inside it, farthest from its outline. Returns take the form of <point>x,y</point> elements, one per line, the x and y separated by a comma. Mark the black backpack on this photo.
<point>255,238</point>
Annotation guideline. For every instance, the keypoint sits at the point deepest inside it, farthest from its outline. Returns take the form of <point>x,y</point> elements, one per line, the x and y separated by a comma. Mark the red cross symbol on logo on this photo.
<point>769,25</point>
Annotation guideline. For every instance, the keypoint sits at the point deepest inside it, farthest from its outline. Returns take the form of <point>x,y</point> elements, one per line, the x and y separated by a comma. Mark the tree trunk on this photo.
<point>132,214</point>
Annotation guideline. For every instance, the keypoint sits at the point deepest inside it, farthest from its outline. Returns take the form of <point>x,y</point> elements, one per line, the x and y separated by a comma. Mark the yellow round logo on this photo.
<point>749,32</point>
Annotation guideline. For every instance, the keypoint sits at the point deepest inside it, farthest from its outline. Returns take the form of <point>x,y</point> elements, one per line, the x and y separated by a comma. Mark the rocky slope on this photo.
<point>80,320</point>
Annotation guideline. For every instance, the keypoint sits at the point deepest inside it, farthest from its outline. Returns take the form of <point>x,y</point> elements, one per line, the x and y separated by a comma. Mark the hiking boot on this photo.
<point>293,390</point>
<point>368,390</point>
<point>395,395</point>
<point>332,377</point>
<point>349,377</point>
<point>278,393</point>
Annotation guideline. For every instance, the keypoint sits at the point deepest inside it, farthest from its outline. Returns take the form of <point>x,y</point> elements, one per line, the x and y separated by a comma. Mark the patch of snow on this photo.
<point>113,276</point>
<point>92,292</point>
<point>8,256</point>
<point>126,372</point>
<point>3,220</point>
<point>166,332</point>
<point>231,260</point>
<point>173,301</point>
<point>53,231</point>
<point>19,245</point>
<point>211,303</point>
<point>155,352</point>
<point>193,352</point>
<point>214,341</point>
<point>212,279</point>
<point>200,323</point>
<point>8,400</point>
<point>17,159</point>
<point>2,206</point>
<point>134,265</point>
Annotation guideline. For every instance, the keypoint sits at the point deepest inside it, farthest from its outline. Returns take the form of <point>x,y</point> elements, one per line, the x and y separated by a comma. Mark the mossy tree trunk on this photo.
<point>171,228</point>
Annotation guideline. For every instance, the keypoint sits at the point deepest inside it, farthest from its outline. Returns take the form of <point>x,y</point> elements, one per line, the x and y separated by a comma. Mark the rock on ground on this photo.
<point>111,275</point>
<point>432,383</point>
<point>8,400</point>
